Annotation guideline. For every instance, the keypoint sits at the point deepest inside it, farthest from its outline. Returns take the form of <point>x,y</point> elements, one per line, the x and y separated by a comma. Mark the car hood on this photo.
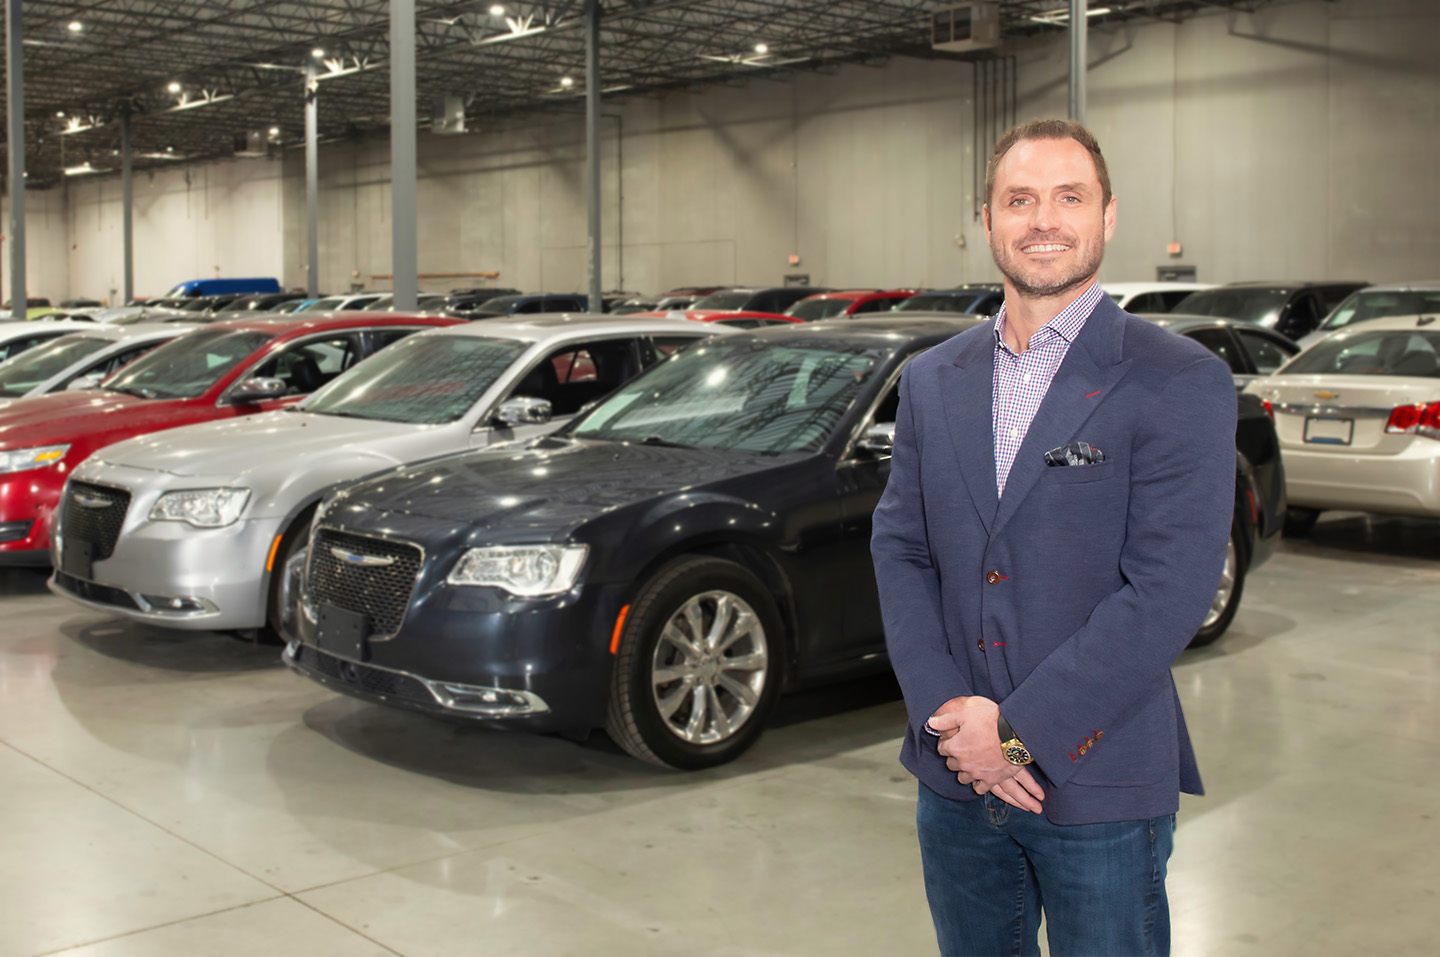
<point>551,486</point>
<point>235,447</point>
<point>61,416</point>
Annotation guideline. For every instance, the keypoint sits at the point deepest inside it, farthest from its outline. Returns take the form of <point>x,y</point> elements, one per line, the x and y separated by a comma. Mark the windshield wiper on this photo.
<point>138,392</point>
<point>664,443</point>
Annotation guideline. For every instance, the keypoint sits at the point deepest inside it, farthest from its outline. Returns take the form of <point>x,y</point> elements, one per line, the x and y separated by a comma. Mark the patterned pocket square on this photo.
<point>1076,453</point>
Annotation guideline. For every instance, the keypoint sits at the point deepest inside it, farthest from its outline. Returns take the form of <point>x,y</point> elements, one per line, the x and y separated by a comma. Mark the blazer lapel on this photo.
<point>1079,387</point>
<point>967,391</point>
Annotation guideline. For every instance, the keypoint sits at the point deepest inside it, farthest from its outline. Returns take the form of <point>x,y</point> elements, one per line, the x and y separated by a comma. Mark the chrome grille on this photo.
<point>97,522</point>
<point>379,592</point>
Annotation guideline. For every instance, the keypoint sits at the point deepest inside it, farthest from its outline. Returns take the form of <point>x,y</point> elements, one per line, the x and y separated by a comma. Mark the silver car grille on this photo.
<point>374,577</point>
<point>94,514</point>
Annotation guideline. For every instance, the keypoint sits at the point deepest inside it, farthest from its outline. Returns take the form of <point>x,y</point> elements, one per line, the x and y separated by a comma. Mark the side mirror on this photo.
<point>88,381</point>
<point>258,389</point>
<point>878,440</point>
<point>522,411</point>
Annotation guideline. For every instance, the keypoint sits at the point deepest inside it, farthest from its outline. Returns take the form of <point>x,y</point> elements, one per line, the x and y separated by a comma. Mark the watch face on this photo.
<point>1016,754</point>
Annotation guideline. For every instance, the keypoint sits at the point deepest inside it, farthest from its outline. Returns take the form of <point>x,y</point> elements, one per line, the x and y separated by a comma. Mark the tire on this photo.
<point>1299,522</point>
<point>674,722</point>
<point>1227,595</point>
<point>296,537</point>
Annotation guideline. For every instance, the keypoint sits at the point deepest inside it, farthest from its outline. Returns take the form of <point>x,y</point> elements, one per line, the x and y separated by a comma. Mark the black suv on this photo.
<point>1292,309</point>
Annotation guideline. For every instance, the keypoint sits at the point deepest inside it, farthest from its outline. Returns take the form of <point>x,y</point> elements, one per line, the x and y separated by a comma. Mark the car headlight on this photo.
<point>201,507</point>
<point>527,571</point>
<point>22,459</point>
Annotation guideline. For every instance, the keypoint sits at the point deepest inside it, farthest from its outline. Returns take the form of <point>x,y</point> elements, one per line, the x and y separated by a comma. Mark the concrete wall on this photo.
<point>192,222</point>
<point>47,265</point>
<point>1297,142</point>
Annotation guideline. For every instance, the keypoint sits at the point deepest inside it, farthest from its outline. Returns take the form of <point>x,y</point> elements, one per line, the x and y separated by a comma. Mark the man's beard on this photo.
<point>1010,266</point>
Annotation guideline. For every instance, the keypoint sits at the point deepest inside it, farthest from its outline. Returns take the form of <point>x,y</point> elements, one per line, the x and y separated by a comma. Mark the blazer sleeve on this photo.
<point>1182,500</point>
<point>908,581</point>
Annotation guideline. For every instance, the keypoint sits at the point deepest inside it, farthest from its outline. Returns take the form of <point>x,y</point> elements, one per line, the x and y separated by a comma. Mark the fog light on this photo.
<point>178,605</point>
<point>485,700</point>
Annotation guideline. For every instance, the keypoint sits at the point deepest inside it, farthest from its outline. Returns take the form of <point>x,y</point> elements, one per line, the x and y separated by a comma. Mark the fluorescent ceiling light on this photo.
<point>76,26</point>
<point>497,9</point>
<point>1061,15</point>
<point>174,86</point>
<point>274,131</point>
<point>318,53</point>
<point>762,48</point>
<point>81,170</point>
<point>567,82</point>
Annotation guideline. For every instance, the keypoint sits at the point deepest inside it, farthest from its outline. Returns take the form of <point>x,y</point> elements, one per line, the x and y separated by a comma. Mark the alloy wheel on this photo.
<point>709,668</point>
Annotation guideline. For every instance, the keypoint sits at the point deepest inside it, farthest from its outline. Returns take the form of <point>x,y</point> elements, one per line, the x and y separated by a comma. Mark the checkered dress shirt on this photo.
<point>1022,380</point>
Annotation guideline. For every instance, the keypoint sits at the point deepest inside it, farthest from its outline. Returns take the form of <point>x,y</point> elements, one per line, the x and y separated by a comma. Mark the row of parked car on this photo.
<point>564,522</point>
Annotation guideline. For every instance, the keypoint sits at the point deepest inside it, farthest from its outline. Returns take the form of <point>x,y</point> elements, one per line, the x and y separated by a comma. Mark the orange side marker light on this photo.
<point>619,627</point>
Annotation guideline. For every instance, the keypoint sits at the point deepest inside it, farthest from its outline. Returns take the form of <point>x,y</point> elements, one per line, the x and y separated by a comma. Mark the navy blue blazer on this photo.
<point>1102,573</point>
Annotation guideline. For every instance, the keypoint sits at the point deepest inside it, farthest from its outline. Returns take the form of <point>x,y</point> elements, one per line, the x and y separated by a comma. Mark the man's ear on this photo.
<point>985,218</point>
<point>1110,219</point>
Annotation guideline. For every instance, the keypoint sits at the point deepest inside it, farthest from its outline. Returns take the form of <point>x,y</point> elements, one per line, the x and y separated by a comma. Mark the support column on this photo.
<point>127,207</point>
<point>592,149</point>
<point>312,183</point>
<point>404,250</point>
<point>15,100</point>
<point>1079,24</point>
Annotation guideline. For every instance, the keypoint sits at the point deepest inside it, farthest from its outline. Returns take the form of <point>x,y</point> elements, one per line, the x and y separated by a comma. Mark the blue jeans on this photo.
<point>990,869</point>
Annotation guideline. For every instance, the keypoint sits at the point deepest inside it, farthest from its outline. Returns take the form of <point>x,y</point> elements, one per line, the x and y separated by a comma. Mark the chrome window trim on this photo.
<point>1332,411</point>
<point>848,456</point>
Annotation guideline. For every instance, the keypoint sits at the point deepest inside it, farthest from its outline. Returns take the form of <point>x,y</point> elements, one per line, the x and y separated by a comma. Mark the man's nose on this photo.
<point>1044,215</point>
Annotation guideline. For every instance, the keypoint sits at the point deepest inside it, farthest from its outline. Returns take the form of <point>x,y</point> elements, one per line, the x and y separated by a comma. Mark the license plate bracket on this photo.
<point>1329,430</point>
<point>343,632</point>
<point>77,559</point>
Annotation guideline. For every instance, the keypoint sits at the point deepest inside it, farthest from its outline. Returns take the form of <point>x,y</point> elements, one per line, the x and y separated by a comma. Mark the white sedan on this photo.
<point>1358,417</point>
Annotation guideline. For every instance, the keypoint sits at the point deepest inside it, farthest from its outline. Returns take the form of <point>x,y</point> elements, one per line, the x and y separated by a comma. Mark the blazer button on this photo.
<point>993,577</point>
<point>980,643</point>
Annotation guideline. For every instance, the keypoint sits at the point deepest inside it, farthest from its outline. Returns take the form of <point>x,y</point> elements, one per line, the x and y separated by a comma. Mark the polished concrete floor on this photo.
<point>165,794</point>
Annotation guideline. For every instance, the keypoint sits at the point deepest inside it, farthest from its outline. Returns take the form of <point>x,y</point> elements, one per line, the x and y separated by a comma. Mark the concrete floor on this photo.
<point>164,794</point>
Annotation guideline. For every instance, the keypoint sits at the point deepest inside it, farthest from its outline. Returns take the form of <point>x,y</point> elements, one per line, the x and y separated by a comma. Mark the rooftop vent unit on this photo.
<point>252,143</point>
<point>966,27</point>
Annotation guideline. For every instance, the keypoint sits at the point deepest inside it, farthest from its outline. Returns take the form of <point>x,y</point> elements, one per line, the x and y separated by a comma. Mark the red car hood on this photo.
<point>62,417</point>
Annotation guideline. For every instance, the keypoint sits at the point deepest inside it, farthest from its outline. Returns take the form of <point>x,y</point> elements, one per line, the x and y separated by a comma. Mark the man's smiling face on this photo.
<point>1047,221</point>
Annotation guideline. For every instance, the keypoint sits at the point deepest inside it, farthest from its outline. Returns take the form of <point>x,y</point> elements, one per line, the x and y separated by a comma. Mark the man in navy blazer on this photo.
<point>1050,538</point>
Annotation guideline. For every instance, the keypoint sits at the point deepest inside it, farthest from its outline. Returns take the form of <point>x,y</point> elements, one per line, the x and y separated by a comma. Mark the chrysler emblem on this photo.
<point>1327,395</point>
<point>364,561</point>
<point>89,501</point>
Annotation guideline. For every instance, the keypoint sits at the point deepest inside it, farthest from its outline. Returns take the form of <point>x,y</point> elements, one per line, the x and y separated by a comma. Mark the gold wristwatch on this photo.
<point>1014,751</point>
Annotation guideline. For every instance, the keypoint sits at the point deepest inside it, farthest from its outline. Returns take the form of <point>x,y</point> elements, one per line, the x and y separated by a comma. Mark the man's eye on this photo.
<point>1019,201</point>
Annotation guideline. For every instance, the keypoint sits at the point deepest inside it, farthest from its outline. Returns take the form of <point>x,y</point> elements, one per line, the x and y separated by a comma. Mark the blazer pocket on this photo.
<point>1079,474</point>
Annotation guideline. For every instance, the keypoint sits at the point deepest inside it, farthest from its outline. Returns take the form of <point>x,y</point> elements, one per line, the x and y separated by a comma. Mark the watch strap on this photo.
<point>1007,733</point>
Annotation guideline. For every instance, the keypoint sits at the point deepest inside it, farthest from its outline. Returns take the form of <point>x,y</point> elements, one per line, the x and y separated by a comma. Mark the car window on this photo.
<point>307,365</point>
<point>16,346</point>
<point>1265,354</point>
<point>186,367</point>
<point>572,376</point>
<point>1376,304</point>
<point>1147,302</point>
<point>380,338</point>
<point>1332,296</point>
<point>1219,342</point>
<point>814,309</point>
<point>32,368</point>
<point>739,323</point>
<point>1390,352</point>
<point>1302,318</point>
<point>1172,299</point>
<point>1246,303</point>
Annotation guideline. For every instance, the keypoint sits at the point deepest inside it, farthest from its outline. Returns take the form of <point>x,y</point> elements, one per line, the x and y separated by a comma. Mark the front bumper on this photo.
<point>458,643</point>
<point>27,503</point>
<point>1407,483</point>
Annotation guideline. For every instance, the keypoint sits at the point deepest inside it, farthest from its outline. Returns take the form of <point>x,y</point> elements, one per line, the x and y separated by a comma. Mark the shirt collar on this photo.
<point>1068,323</point>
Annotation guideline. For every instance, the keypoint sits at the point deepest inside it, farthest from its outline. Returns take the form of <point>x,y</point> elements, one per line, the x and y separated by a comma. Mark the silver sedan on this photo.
<point>217,510</point>
<point>1358,416</point>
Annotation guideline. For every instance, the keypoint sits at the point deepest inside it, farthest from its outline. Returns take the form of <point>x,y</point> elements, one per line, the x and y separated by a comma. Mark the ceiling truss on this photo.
<point>193,74</point>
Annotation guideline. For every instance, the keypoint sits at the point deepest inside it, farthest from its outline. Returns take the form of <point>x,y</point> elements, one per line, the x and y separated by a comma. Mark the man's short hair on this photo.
<point>1048,130</point>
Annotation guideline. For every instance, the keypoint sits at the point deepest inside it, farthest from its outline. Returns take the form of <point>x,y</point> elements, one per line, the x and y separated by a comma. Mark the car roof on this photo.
<point>21,328</point>
<point>1127,288</point>
<point>1182,322</point>
<point>974,290</point>
<point>1424,285</point>
<point>1282,286</point>
<point>877,330</point>
<point>551,325</point>
<point>1426,322</point>
<point>298,324</point>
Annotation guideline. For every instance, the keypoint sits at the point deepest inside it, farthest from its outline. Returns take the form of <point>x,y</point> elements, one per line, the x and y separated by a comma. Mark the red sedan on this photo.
<point>239,367</point>
<point>838,305</point>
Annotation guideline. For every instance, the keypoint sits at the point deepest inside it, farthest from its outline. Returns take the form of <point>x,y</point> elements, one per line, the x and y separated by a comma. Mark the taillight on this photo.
<point>1422,419</point>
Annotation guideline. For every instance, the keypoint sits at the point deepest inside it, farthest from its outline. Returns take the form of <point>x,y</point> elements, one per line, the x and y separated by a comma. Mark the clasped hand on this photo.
<point>970,744</point>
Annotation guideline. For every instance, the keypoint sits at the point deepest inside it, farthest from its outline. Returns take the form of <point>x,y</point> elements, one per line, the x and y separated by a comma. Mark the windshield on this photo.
<point>1367,304</point>
<point>34,366</point>
<point>939,302</point>
<point>197,305</point>
<point>1248,305</point>
<point>423,380</point>
<point>243,304</point>
<point>812,309</point>
<point>748,395</point>
<point>500,304</point>
<point>186,367</point>
<point>323,305</point>
<point>724,300</point>
<point>1397,352</point>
